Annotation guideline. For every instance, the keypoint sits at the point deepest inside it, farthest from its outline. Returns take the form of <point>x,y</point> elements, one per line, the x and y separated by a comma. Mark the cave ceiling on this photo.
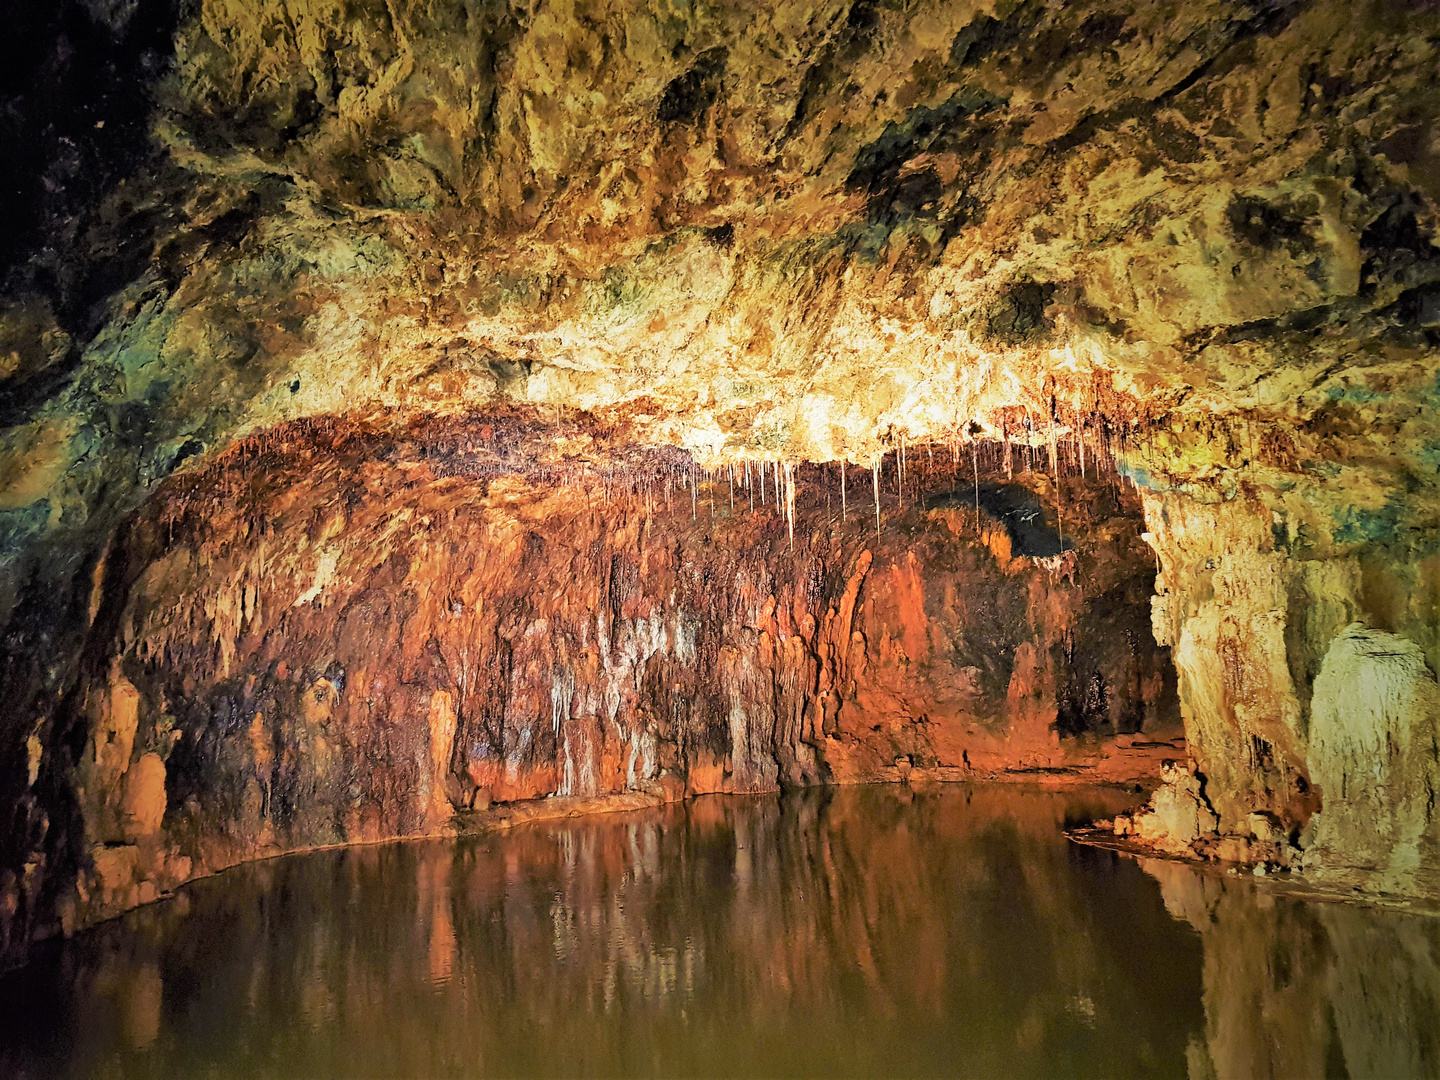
<point>1202,233</point>
<point>790,231</point>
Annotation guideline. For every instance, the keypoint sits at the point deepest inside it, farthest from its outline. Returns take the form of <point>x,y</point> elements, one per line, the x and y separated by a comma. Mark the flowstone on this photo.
<point>1374,753</point>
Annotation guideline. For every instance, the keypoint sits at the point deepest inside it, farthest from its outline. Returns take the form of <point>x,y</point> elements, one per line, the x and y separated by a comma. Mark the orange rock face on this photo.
<point>361,633</point>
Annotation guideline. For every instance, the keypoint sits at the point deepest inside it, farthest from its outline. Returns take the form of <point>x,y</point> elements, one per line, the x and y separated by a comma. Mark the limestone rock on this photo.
<point>1374,733</point>
<point>1192,243</point>
<point>143,805</point>
<point>1179,814</point>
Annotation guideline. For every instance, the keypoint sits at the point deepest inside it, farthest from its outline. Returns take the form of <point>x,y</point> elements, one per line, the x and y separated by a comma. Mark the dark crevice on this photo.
<point>688,96</point>
<point>74,116</point>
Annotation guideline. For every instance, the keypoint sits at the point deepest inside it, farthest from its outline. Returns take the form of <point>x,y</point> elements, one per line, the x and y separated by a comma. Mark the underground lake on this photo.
<point>951,930</point>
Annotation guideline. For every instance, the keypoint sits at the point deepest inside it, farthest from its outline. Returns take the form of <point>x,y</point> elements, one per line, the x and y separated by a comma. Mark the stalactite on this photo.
<point>875,480</point>
<point>975,467</point>
<point>900,477</point>
<point>790,501</point>
<point>844,509</point>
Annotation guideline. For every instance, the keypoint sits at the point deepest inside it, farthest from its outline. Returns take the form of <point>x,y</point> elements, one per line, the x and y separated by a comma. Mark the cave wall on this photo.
<point>794,231</point>
<point>1306,653</point>
<point>339,634</point>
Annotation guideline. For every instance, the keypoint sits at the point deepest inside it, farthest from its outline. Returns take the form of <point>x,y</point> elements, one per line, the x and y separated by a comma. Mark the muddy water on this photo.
<point>868,931</point>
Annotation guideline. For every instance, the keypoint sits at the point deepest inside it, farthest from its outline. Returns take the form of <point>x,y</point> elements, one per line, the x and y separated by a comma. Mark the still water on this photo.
<point>859,932</point>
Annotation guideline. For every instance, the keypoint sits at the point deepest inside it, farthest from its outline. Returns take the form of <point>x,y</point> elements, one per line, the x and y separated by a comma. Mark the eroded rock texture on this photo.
<point>1197,237</point>
<point>339,634</point>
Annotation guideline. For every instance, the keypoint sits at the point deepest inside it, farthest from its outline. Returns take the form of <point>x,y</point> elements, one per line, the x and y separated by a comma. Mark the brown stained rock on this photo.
<point>442,742</point>
<point>474,634</point>
<point>114,737</point>
<point>115,870</point>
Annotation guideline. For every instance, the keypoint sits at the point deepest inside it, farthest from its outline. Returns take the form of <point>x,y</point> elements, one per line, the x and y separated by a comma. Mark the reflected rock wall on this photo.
<point>1296,988</point>
<point>858,930</point>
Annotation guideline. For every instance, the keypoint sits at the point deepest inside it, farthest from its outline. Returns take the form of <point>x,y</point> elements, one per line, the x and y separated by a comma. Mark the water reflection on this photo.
<point>859,932</point>
<point>1296,988</point>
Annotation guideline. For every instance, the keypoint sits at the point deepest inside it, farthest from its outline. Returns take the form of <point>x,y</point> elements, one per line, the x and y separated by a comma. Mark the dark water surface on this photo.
<point>868,931</point>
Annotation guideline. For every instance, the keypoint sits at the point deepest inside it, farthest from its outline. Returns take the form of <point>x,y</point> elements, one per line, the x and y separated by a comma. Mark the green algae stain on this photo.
<point>1429,456</point>
<point>1360,525</point>
<point>1352,395</point>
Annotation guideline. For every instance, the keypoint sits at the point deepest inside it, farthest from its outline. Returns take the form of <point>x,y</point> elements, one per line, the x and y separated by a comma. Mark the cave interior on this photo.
<point>418,412</point>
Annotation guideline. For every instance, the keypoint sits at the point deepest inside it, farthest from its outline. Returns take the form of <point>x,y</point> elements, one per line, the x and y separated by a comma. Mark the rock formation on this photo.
<point>275,269</point>
<point>337,634</point>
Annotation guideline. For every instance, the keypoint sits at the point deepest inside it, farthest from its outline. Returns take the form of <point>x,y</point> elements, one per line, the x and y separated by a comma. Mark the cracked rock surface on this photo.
<point>1197,240</point>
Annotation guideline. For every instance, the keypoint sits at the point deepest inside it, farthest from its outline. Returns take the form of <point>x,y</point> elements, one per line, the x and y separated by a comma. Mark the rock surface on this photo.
<point>1197,238</point>
<point>345,634</point>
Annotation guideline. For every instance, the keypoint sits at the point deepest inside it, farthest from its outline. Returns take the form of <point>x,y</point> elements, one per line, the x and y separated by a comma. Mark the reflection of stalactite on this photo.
<point>747,910</point>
